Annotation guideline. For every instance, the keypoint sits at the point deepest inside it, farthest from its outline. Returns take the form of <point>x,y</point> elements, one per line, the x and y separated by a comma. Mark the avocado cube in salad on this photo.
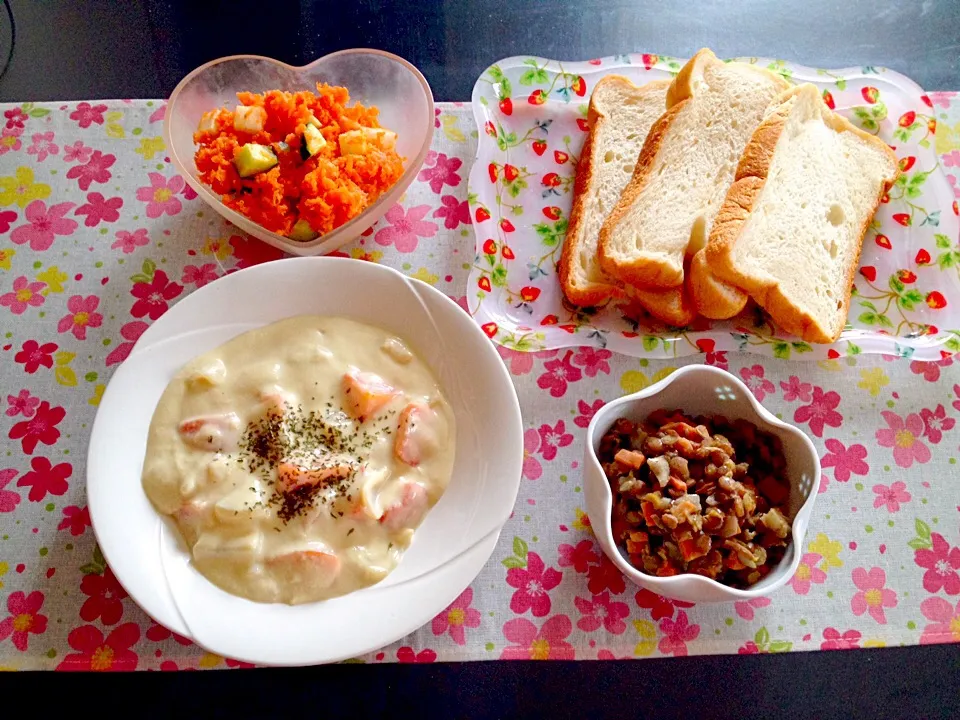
<point>312,142</point>
<point>302,232</point>
<point>253,159</point>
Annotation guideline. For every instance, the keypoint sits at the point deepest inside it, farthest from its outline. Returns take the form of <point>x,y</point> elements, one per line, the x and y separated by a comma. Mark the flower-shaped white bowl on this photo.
<point>373,77</point>
<point>702,390</point>
<point>449,548</point>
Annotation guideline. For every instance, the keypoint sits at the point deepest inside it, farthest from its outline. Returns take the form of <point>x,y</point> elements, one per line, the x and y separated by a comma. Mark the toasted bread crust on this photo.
<point>752,173</point>
<point>591,293</point>
<point>682,86</point>
<point>647,273</point>
<point>712,297</point>
<point>672,306</point>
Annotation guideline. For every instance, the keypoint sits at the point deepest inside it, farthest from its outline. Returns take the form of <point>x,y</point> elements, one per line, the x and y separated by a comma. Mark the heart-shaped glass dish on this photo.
<point>373,77</point>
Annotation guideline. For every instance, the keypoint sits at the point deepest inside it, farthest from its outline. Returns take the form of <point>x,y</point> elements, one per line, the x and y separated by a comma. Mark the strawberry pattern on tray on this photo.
<point>533,118</point>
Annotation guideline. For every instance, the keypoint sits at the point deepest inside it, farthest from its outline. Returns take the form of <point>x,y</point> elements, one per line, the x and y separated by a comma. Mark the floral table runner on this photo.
<point>99,237</point>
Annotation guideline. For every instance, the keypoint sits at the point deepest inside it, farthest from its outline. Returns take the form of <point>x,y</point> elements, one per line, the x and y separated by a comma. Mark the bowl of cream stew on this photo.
<point>304,461</point>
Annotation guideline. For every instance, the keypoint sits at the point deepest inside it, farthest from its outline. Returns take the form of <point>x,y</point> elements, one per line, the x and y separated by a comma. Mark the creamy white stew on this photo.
<point>298,459</point>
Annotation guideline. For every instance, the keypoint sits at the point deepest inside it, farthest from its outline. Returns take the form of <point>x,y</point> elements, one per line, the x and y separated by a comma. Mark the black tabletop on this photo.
<point>75,49</point>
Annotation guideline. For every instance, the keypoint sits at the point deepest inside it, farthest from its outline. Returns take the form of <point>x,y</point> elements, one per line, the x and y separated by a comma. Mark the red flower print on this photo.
<point>97,169</point>
<point>246,666</point>
<point>904,437</point>
<point>821,411</point>
<point>532,470</point>
<point>956,391</point>
<point>748,648</point>
<point>190,194</point>
<point>94,652</point>
<point>833,640</point>
<point>745,608</point>
<point>605,576</point>
<point>24,294</point>
<point>43,225</point>
<point>199,276</point>
<point>593,361</point>
<point>25,618</point>
<point>33,355</point>
<point>547,643</point>
<point>78,152</point>
<point>891,497</point>
<point>45,478</point>
<point>676,634</point>
<point>75,519</point>
<point>131,331</point>
<point>23,404</point>
<point>453,211</point>
<point>794,390</point>
<point>7,218</point>
<point>845,460</point>
<point>15,118</point>
<point>872,597</point>
<point>532,583</point>
<point>458,616</point>
<point>406,228</point>
<point>941,563</point>
<point>9,499</point>
<point>521,363</point>
<point>558,374</point>
<point>659,606</point>
<point>945,621</point>
<point>98,209</point>
<point>600,611</point>
<point>935,423</point>
<point>161,195</point>
<point>130,241</point>
<point>586,412</point>
<point>553,437</point>
<point>158,633</point>
<point>807,574</point>
<point>81,316</point>
<point>579,557</point>
<point>930,370</point>
<point>105,599</point>
<point>87,114</point>
<point>758,384</point>
<point>43,146</point>
<point>407,655</point>
<point>42,427</point>
<point>10,140</point>
<point>443,172</point>
<point>718,359</point>
<point>153,297</point>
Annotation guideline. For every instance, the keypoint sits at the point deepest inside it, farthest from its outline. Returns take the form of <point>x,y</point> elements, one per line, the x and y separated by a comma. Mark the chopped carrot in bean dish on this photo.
<point>698,495</point>
<point>299,164</point>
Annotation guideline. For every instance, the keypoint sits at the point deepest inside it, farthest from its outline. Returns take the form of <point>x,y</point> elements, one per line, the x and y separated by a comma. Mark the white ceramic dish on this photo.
<point>373,77</point>
<point>702,390</point>
<point>450,547</point>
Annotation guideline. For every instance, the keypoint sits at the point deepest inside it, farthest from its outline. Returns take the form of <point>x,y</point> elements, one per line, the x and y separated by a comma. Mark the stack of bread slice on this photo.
<point>743,187</point>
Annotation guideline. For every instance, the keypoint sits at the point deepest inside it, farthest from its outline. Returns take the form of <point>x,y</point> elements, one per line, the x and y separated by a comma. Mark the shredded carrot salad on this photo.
<point>326,189</point>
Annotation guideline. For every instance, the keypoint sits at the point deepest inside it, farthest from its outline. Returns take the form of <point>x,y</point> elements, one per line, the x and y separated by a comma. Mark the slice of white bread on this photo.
<point>791,228</point>
<point>685,169</point>
<point>620,116</point>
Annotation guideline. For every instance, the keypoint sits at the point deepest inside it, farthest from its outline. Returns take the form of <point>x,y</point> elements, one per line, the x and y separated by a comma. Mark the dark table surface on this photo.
<point>76,49</point>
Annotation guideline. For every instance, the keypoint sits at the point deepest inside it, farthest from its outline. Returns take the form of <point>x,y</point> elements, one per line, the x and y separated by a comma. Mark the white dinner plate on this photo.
<point>450,547</point>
